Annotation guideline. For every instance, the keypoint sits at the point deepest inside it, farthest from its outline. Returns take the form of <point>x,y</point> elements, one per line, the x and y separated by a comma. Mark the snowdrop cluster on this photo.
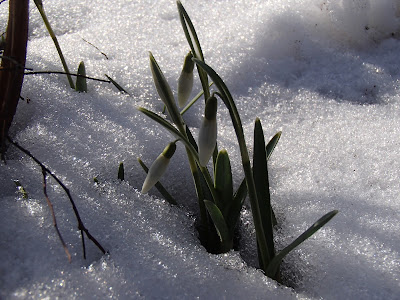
<point>219,205</point>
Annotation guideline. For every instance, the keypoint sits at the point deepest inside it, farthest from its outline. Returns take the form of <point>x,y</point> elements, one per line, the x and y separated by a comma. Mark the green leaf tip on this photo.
<point>260,174</point>
<point>121,171</point>
<point>272,144</point>
<point>277,260</point>
<point>223,182</point>
<point>164,91</point>
<point>81,84</point>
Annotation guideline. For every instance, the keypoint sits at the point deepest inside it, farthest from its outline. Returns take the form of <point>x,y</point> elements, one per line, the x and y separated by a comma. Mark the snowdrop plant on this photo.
<point>219,205</point>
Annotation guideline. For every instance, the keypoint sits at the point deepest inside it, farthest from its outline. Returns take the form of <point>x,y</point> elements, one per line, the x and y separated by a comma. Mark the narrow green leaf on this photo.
<point>260,174</point>
<point>190,32</point>
<point>223,182</point>
<point>237,204</point>
<point>219,224</point>
<point>164,91</point>
<point>272,144</point>
<point>191,138</point>
<point>81,85</point>
<point>121,172</point>
<point>40,8</point>
<point>277,260</point>
<point>194,43</point>
<point>120,88</point>
<point>167,196</point>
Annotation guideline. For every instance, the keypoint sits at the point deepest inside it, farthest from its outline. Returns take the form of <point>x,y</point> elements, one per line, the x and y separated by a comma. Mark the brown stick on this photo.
<point>12,77</point>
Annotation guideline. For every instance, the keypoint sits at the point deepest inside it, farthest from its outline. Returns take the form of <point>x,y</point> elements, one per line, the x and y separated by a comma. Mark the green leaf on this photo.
<point>191,138</point>
<point>121,172</point>
<point>40,8</point>
<point>220,225</point>
<point>236,207</point>
<point>167,196</point>
<point>193,41</point>
<point>120,88</point>
<point>190,32</point>
<point>81,85</point>
<point>272,144</point>
<point>277,260</point>
<point>223,182</point>
<point>260,174</point>
<point>164,91</point>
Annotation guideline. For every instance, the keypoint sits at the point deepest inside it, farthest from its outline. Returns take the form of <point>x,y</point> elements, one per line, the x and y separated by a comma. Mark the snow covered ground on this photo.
<point>326,73</point>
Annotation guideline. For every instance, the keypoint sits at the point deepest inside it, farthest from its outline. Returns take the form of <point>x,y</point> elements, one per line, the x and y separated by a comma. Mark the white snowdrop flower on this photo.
<point>158,167</point>
<point>208,131</point>
<point>185,82</point>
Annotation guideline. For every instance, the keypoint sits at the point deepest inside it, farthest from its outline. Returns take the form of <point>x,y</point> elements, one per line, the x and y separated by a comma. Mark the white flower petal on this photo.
<point>185,85</point>
<point>156,170</point>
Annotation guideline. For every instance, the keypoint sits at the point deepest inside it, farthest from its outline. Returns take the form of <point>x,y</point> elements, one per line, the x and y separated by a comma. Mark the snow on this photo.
<point>326,73</point>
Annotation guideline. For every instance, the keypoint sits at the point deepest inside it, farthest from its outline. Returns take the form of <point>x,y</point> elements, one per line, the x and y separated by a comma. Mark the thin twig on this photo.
<point>59,72</point>
<point>53,215</point>
<point>96,48</point>
<point>81,226</point>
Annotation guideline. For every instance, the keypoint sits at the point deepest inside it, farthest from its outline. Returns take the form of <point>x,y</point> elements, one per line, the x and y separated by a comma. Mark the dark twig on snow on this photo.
<point>105,55</point>
<point>44,173</point>
<point>81,226</point>
<point>59,72</point>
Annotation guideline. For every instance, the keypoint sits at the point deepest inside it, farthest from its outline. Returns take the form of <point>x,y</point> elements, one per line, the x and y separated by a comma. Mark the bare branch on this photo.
<point>53,215</point>
<point>81,226</point>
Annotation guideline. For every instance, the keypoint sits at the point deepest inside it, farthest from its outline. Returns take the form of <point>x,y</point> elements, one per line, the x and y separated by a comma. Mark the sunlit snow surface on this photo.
<point>326,73</point>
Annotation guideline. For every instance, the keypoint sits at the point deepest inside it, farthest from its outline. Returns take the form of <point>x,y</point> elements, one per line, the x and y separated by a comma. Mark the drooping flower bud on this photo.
<point>208,131</point>
<point>158,167</point>
<point>185,82</point>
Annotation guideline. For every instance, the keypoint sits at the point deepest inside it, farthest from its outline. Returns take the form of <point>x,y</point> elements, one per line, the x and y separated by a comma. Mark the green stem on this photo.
<point>190,104</point>
<point>39,5</point>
